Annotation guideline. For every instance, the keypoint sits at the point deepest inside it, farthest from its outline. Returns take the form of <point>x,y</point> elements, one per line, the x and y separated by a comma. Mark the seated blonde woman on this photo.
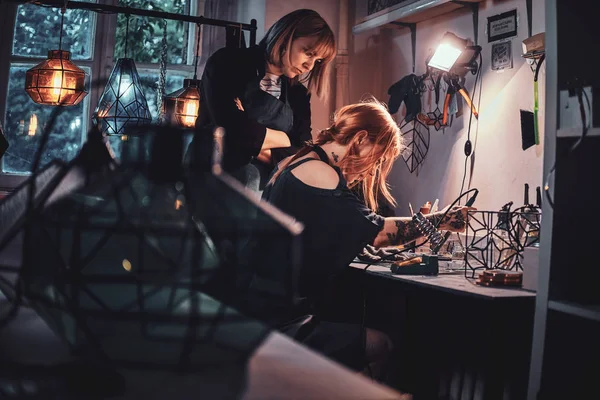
<point>314,186</point>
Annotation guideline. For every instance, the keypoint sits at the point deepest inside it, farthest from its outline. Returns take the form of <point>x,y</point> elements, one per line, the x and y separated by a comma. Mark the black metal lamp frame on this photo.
<point>496,239</point>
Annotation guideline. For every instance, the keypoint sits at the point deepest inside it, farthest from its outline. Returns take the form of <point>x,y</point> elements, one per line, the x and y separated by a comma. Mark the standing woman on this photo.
<point>258,95</point>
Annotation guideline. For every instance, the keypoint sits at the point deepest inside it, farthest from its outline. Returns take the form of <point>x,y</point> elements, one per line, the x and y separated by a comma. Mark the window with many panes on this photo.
<point>96,41</point>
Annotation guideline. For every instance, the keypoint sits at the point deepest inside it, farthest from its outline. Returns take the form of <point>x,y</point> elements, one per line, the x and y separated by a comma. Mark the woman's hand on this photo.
<point>265,157</point>
<point>238,104</point>
<point>455,220</point>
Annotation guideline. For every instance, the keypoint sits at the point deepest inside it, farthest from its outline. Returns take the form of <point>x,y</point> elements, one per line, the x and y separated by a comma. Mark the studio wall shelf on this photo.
<point>411,13</point>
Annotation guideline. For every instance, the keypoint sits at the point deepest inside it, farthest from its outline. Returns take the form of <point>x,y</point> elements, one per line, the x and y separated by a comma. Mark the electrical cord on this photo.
<point>586,125</point>
<point>477,77</point>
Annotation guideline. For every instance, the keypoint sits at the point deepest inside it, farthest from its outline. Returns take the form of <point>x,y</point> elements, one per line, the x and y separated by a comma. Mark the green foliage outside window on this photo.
<point>145,33</point>
<point>37,30</point>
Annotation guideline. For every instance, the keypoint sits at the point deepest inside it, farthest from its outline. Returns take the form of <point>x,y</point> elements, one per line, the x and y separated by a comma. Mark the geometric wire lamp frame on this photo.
<point>56,81</point>
<point>496,239</point>
<point>122,103</point>
<point>416,135</point>
<point>118,269</point>
<point>182,106</point>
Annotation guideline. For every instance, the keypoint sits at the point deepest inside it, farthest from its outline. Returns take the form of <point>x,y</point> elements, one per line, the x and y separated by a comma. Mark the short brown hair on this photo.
<point>302,23</point>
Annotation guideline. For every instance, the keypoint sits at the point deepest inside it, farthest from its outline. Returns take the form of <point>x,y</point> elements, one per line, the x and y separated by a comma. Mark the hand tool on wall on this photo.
<point>455,86</point>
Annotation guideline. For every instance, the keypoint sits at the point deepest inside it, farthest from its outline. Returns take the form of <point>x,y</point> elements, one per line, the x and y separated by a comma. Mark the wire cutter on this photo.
<point>454,86</point>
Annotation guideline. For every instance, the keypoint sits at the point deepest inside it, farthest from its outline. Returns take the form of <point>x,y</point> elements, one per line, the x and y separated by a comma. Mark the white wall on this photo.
<point>253,9</point>
<point>382,56</point>
<point>329,10</point>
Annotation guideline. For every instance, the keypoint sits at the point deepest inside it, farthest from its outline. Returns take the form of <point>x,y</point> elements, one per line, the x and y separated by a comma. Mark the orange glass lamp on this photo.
<point>56,81</point>
<point>182,106</point>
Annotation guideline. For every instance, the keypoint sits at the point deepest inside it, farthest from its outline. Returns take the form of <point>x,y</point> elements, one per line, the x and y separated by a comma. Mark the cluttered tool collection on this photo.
<point>426,260</point>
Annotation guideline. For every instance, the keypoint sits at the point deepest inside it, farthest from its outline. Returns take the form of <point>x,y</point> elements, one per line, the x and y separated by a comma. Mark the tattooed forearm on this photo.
<point>391,237</point>
<point>452,220</point>
<point>402,230</point>
<point>435,218</point>
<point>406,231</point>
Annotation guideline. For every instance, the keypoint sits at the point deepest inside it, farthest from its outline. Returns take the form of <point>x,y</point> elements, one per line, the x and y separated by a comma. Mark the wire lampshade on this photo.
<point>122,103</point>
<point>182,106</point>
<point>56,81</point>
<point>124,271</point>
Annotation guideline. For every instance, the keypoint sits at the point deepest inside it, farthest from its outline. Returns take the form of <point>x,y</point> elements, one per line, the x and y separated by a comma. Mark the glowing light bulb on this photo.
<point>56,83</point>
<point>191,108</point>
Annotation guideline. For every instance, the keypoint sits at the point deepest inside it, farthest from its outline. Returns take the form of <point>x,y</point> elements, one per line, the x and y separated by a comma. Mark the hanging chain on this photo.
<point>197,50</point>
<point>62,21</point>
<point>162,75</point>
<point>126,33</point>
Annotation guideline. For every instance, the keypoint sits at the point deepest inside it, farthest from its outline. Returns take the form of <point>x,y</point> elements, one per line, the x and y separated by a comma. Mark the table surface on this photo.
<point>454,282</point>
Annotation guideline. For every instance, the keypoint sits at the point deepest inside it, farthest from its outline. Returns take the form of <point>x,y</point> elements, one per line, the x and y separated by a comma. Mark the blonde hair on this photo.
<point>297,24</point>
<point>369,120</point>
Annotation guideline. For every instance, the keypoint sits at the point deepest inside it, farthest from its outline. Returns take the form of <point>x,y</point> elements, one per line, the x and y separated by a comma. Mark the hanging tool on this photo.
<point>436,115</point>
<point>455,86</point>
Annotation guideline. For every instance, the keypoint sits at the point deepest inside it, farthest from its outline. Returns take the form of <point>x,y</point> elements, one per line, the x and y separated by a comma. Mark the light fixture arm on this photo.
<point>473,66</point>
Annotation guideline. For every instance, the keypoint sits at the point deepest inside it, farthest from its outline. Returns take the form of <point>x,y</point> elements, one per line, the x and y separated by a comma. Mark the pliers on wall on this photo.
<point>454,86</point>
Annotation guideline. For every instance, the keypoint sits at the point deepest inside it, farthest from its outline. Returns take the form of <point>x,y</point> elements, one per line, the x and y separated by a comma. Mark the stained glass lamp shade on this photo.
<point>182,106</point>
<point>56,81</point>
<point>122,103</point>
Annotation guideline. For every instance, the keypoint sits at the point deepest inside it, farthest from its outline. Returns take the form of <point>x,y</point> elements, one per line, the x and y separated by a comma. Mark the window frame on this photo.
<point>101,62</point>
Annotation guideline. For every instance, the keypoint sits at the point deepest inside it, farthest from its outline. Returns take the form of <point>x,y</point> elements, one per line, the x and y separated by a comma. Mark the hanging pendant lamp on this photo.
<point>182,106</point>
<point>122,103</point>
<point>56,81</point>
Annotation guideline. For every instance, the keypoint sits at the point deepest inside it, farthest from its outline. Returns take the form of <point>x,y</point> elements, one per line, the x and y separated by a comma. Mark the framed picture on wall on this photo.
<point>502,57</point>
<point>502,26</point>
